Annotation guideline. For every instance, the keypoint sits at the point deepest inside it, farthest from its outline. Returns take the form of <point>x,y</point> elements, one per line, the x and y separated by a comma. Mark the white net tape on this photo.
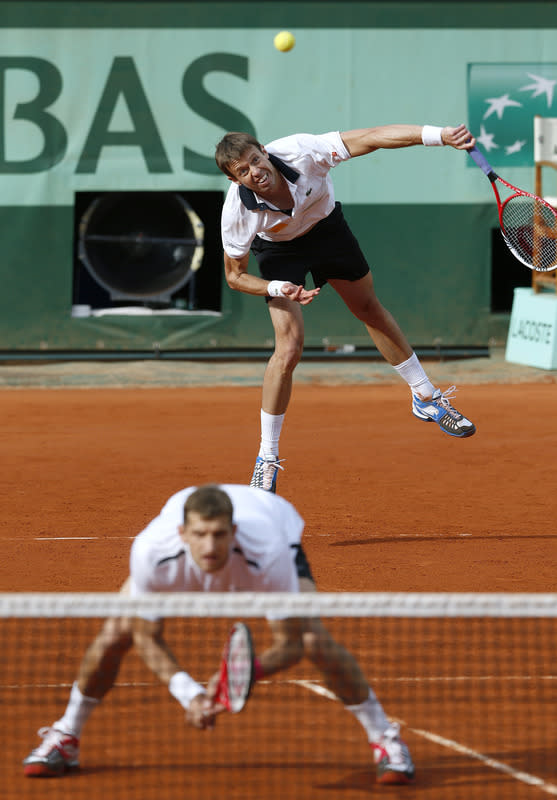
<point>379,604</point>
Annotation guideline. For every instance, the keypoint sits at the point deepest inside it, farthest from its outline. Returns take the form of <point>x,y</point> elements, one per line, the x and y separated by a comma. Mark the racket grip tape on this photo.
<point>482,162</point>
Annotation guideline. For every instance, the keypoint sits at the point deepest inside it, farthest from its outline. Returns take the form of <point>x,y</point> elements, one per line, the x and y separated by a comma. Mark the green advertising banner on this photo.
<point>131,97</point>
<point>502,102</point>
<point>86,109</point>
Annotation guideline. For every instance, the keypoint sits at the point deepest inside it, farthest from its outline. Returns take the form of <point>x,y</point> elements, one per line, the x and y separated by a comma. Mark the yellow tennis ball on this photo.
<point>284,41</point>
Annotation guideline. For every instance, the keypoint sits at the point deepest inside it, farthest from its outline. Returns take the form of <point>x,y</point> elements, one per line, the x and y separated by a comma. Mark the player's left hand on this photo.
<point>460,137</point>
<point>298,294</point>
<point>202,712</point>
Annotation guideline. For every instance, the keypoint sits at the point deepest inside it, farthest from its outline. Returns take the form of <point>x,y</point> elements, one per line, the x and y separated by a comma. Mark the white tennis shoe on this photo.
<point>392,757</point>
<point>439,410</point>
<point>58,753</point>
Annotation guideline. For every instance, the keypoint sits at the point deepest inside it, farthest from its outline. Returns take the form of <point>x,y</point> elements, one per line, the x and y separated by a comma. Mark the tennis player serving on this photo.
<point>219,538</point>
<point>281,207</point>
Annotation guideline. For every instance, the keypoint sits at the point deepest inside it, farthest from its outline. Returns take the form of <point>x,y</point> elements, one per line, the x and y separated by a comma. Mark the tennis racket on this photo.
<point>527,222</point>
<point>237,669</point>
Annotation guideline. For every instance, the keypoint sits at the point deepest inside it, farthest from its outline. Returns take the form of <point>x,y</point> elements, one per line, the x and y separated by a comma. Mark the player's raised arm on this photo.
<point>361,141</point>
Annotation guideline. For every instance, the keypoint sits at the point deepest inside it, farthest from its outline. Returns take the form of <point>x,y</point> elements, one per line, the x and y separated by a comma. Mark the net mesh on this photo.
<point>471,679</point>
<point>530,229</point>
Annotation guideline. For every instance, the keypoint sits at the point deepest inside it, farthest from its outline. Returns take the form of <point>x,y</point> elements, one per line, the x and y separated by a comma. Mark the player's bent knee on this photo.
<point>318,642</point>
<point>117,632</point>
<point>296,650</point>
<point>288,639</point>
<point>288,358</point>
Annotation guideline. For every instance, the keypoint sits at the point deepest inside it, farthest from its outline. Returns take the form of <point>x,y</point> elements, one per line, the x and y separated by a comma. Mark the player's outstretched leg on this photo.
<point>439,410</point>
<point>58,753</point>
<point>265,473</point>
<point>343,677</point>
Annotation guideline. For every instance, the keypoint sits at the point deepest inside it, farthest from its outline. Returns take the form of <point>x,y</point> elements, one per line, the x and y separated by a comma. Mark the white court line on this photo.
<point>108,536</point>
<point>518,775</point>
<point>80,538</point>
<point>315,686</point>
<point>462,678</point>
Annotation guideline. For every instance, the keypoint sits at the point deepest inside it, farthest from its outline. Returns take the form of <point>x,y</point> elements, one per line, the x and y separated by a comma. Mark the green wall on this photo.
<point>125,96</point>
<point>438,290</point>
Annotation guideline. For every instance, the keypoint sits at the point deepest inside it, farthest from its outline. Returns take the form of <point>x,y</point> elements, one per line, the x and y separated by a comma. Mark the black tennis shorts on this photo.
<point>328,250</point>
<point>302,564</point>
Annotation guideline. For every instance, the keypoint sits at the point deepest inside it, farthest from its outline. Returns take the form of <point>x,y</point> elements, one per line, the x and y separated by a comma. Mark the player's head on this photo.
<point>247,163</point>
<point>208,527</point>
<point>232,147</point>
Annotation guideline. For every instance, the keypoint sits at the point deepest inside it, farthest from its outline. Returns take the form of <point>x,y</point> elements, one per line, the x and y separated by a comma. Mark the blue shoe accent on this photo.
<point>265,474</point>
<point>439,410</point>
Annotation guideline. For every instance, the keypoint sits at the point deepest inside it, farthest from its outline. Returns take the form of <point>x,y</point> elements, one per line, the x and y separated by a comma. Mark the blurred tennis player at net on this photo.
<point>218,539</point>
<point>282,208</point>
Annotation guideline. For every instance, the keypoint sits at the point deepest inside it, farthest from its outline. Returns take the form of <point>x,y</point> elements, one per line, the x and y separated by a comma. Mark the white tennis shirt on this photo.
<point>261,557</point>
<point>307,160</point>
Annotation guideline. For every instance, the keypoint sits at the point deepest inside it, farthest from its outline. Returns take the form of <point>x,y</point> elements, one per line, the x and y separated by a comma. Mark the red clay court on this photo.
<point>390,504</point>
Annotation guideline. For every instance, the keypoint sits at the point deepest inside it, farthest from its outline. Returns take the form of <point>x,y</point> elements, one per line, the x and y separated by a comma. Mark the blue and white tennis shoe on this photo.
<point>439,410</point>
<point>265,473</point>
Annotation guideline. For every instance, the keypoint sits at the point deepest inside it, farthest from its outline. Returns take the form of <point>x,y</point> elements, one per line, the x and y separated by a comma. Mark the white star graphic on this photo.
<point>540,86</point>
<point>498,105</point>
<point>486,140</point>
<point>515,147</point>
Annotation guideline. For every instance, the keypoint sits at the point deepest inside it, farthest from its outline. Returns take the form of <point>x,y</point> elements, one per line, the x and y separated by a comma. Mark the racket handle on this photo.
<point>221,694</point>
<point>257,670</point>
<point>482,162</point>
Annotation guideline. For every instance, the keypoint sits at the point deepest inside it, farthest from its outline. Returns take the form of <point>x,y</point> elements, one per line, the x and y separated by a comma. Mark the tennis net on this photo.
<point>471,678</point>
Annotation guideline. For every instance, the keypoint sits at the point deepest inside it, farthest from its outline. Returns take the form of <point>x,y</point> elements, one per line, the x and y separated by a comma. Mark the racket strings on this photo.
<point>530,228</point>
<point>239,662</point>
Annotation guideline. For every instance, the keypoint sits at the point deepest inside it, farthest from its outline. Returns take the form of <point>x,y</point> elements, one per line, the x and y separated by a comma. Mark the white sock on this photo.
<point>271,426</point>
<point>414,375</point>
<point>371,716</point>
<point>77,712</point>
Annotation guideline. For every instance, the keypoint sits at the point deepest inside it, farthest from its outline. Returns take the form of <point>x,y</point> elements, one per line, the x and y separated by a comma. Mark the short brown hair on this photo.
<point>209,501</point>
<point>231,147</point>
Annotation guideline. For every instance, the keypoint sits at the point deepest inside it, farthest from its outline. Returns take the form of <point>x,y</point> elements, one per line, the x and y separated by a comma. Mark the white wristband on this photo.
<point>431,136</point>
<point>183,687</point>
<point>274,289</point>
